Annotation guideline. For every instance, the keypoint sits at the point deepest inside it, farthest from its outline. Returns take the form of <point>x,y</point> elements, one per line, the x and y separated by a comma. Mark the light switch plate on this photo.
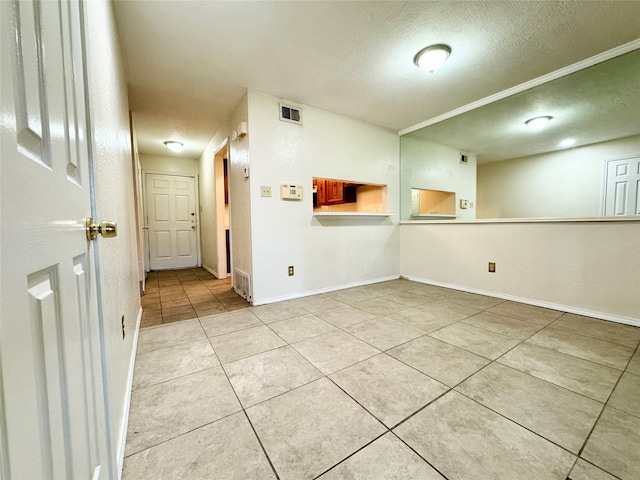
<point>265,191</point>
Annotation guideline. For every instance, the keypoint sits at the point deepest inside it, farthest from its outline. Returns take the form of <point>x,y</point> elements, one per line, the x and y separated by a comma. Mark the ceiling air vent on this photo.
<point>290,114</point>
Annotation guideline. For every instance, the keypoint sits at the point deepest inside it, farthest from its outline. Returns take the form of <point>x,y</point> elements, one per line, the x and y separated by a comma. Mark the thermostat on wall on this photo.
<point>291,192</point>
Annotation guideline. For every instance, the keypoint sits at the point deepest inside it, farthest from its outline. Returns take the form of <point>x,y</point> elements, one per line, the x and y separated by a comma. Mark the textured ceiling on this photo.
<point>189,63</point>
<point>593,105</point>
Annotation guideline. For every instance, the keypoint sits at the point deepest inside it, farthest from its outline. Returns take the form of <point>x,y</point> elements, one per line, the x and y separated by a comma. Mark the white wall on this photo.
<point>330,253</point>
<point>591,268</point>
<point>239,198</point>
<point>173,165</point>
<point>431,165</point>
<point>115,201</point>
<point>566,183</point>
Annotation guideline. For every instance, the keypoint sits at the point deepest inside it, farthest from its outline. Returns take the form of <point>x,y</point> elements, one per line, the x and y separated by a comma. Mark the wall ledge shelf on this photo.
<point>352,214</point>
<point>434,216</point>
<point>630,219</point>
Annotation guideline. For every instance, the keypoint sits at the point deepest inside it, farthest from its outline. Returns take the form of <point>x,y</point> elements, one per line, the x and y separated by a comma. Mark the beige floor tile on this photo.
<point>383,333</point>
<point>583,470</point>
<point>300,328</point>
<point>387,388</point>
<point>308,430</point>
<point>562,416</point>
<point>473,300</point>
<point>195,299</point>
<point>150,320</point>
<point>187,308</point>
<point>244,343</point>
<point>172,362</point>
<point>581,376</point>
<point>605,353</point>
<point>626,396</point>
<point>526,312</point>
<point>387,458</point>
<point>351,295</point>
<point>177,302</point>
<point>318,303</point>
<point>215,310</point>
<point>179,317</point>
<point>162,336</point>
<point>208,305</point>
<point>476,340</point>
<point>465,440</point>
<point>408,299</point>
<point>163,411</point>
<point>431,291</point>
<point>229,322</point>
<point>265,375</point>
<point>601,329</point>
<point>441,361</point>
<point>614,445</point>
<point>343,316</point>
<point>634,364</point>
<point>225,449</point>
<point>380,289</point>
<point>379,306</point>
<point>509,326</point>
<point>334,351</point>
<point>426,321</point>
<point>277,311</point>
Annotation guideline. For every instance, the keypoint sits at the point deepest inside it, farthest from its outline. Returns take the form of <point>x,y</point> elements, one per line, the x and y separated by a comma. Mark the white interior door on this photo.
<point>622,187</point>
<point>53,397</point>
<point>171,215</point>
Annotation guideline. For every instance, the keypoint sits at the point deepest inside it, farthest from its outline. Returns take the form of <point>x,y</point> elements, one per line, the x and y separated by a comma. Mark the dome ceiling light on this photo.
<point>173,145</point>
<point>538,123</point>
<point>432,57</point>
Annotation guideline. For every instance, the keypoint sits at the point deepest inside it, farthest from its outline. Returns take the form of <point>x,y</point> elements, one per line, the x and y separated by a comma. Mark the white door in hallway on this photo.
<point>622,187</point>
<point>53,407</point>
<point>171,216</point>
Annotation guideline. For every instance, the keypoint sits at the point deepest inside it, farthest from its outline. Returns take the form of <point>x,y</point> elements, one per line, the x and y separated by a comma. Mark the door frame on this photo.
<point>221,241</point>
<point>147,252</point>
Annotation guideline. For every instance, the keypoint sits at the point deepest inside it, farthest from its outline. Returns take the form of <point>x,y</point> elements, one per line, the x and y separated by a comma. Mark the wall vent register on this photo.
<point>290,114</point>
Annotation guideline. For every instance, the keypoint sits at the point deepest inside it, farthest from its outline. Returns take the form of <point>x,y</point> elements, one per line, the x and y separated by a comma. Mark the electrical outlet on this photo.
<point>123,327</point>
<point>265,191</point>
<point>291,270</point>
<point>492,267</point>
<point>464,204</point>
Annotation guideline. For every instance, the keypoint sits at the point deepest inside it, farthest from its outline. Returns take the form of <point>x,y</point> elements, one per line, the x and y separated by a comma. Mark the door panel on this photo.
<point>53,404</point>
<point>622,187</point>
<point>171,208</point>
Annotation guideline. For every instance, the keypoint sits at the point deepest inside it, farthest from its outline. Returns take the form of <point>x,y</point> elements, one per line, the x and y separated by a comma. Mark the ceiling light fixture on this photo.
<point>567,142</point>
<point>173,145</point>
<point>538,123</point>
<point>432,57</point>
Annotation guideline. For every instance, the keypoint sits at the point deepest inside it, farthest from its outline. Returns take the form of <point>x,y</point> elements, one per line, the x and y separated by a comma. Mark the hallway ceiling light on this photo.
<point>567,142</point>
<point>173,145</point>
<point>432,57</point>
<point>538,123</point>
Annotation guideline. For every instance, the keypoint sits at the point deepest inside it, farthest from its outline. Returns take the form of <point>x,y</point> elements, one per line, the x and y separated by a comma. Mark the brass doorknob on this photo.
<point>106,229</point>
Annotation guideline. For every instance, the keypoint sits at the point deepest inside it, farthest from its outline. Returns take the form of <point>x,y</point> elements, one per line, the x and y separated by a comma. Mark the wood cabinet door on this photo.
<point>335,192</point>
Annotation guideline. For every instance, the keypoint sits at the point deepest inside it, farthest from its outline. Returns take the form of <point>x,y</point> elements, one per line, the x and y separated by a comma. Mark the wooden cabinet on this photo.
<point>335,192</point>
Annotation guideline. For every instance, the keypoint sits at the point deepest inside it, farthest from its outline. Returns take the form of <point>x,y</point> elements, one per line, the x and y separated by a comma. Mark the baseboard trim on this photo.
<point>531,301</point>
<point>127,400</point>
<point>309,293</point>
<point>214,273</point>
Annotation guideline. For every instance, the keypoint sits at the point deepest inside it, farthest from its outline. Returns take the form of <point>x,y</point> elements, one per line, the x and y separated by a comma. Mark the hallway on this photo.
<point>395,380</point>
<point>174,295</point>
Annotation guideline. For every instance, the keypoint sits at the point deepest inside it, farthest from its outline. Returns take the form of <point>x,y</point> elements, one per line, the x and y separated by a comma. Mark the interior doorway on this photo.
<point>172,221</point>
<point>222,207</point>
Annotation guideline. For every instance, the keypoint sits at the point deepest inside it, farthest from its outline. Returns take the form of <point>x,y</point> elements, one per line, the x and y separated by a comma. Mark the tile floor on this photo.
<point>396,380</point>
<point>175,295</point>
